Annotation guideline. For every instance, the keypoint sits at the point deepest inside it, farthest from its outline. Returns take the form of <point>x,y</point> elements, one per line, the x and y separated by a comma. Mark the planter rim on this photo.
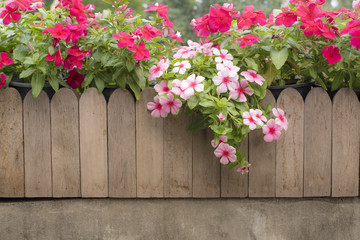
<point>293,85</point>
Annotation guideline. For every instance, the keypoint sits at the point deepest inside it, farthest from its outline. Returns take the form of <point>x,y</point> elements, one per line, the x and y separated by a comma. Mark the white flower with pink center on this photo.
<point>157,108</point>
<point>221,117</point>
<point>271,130</point>
<point>181,67</point>
<point>226,153</point>
<point>170,104</point>
<point>177,90</point>
<point>252,76</point>
<point>280,118</point>
<point>157,71</point>
<point>239,91</point>
<point>184,52</point>
<point>244,169</point>
<point>222,139</point>
<point>223,55</point>
<point>225,81</point>
<point>230,65</point>
<point>251,119</point>
<point>192,84</point>
<point>260,119</point>
<point>162,87</point>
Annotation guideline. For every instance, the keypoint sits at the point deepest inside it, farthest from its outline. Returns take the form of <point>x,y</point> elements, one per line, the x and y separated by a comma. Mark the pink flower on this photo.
<point>222,56</point>
<point>355,40</point>
<point>176,36</point>
<point>243,170</point>
<point>309,12</point>
<point>287,18</point>
<point>76,31</point>
<point>157,71</point>
<point>10,12</point>
<point>251,17</point>
<point>252,76</point>
<point>75,79</point>
<point>156,108</point>
<point>177,90</point>
<point>220,20</point>
<point>280,118</point>
<point>149,32</point>
<point>4,59</point>
<point>57,57</point>
<point>192,84</point>
<point>162,11</point>
<point>239,91</point>
<point>226,153</point>
<point>184,52</point>
<point>271,130</point>
<point>201,26</point>
<point>181,67</point>
<point>229,65</point>
<point>221,117</point>
<point>140,51</point>
<point>59,31</point>
<point>225,81</point>
<point>253,118</point>
<point>162,87</point>
<point>356,5</point>
<point>222,139</point>
<point>125,40</point>
<point>331,53</point>
<point>260,119</point>
<point>2,80</point>
<point>170,104</point>
<point>247,40</point>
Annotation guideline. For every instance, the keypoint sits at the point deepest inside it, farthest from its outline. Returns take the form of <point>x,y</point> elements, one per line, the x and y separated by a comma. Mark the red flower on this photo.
<point>176,37</point>
<point>57,57</point>
<point>201,26</point>
<point>140,51</point>
<point>247,40</point>
<point>149,32</point>
<point>287,18</point>
<point>2,80</point>
<point>309,12</point>
<point>125,40</point>
<point>77,10</point>
<point>4,59</point>
<point>23,4</point>
<point>75,79</point>
<point>331,53</point>
<point>317,27</point>
<point>162,11</point>
<point>220,20</point>
<point>10,13</point>
<point>75,58</point>
<point>58,31</point>
<point>251,17</point>
<point>350,25</point>
<point>355,40</point>
<point>76,31</point>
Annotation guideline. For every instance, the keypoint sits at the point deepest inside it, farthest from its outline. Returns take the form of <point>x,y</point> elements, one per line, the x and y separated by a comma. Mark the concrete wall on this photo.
<point>180,219</point>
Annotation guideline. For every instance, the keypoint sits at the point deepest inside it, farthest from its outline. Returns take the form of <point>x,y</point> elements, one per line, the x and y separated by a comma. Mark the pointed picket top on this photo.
<point>289,147</point>
<point>345,144</point>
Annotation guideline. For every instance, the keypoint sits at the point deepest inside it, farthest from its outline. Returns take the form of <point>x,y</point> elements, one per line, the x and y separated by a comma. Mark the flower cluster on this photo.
<point>226,98</point>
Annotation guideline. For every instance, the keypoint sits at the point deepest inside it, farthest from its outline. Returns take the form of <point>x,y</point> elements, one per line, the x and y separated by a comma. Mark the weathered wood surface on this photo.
<point>317,144</point>
<point>262,160</point>
<point>289,147</point>
<point>93,144</point>
<point>121,145</point>
<point>206,167</point>
<point>345,144</point>
<point>233,183</point>
<point>37,146</point>
<point>11,144</point>
<point>149,147</point>
<point>177,157</point>
<point>65,144</point>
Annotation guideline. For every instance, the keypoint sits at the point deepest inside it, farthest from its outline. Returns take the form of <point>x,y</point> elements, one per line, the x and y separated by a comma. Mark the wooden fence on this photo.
<point>84,147</point>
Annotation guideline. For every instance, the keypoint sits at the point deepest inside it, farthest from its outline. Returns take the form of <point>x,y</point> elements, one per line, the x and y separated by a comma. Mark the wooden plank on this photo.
<point>121,145</point>
<point>317,145</point>
<point>11,144</point>
<point>233,183</point>
<point>177,157</point>
<point>37,147</point>
<point>93,144</point>
<point>149,149</point>
<point>290,146</point>
<point>262,160</point>
<point>65,144</point>
<point>345,144</point>
<point>206,167</point>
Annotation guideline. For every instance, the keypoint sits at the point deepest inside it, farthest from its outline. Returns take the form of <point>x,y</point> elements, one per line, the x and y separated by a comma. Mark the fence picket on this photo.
<point>149,147</point>
<point>177,157</point>
<point>262,160</point>
<point>93,144</point>
<point>289,148</point>
<point>37,147</point>
<point>11,144</point>
<point>121,145</point>
<point>233,183</point>
<point>345,144</point>
<point>317,144</point>
<point>65,144</point>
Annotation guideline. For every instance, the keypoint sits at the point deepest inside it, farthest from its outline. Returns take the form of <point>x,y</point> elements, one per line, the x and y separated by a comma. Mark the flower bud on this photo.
<point>128,12</point>
<point>123,7</point>
<point>356,5</point>
<point>31,46</point>
<point>99,15</point>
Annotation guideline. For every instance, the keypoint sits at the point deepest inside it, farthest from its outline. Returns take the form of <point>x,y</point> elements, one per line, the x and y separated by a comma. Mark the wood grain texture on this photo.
<point>177,157</point>
<point>121,145</point>
<point>206,167</point>
<point>149,147</point>
<point>65,144</point>
<point>262,160</point>
<point>233,183</point>
<point>93,144</point>
<point>345,144</point>
<point>11,144</point>
<point>37,146</point>
<point>317,144</point>
<point>290,146</point>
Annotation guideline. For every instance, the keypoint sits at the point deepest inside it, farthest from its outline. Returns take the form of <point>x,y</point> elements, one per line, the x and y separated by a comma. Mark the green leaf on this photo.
<point>313,72</point>
<point>20,52</point>
<point>268,108</point>
<point>271,73</point>
<point>134,87</point>
<point>54,82</point>
<point>338,80</point>
<point>130,63</point>
<point>199,123</point>
<point>51,50</point>
<point>100,84</point>
<point>29,60</point>
<point>279,57</point>
<point>140,76</point>
<point>37,84</point>
<point>252,64</point>
<point>27,72</point>
<point>193,101</point>
<point>88,79</point>
<point>207,103</point>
